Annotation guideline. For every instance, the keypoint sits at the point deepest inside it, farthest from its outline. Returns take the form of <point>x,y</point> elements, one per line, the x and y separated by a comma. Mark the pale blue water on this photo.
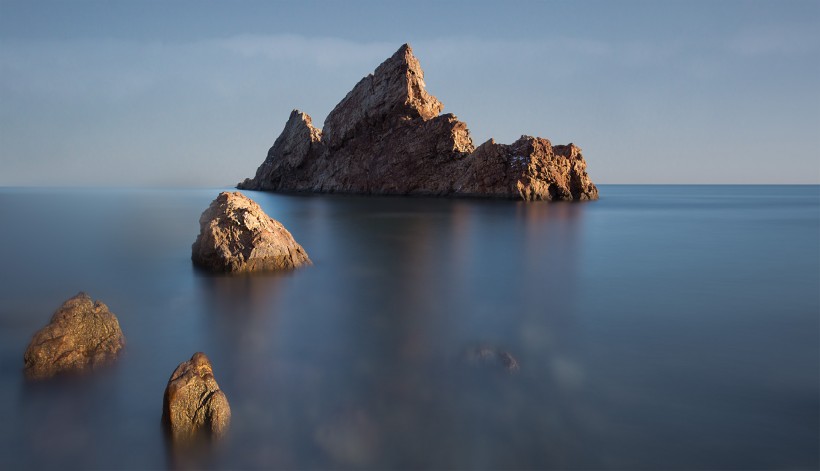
<point>662,327</point>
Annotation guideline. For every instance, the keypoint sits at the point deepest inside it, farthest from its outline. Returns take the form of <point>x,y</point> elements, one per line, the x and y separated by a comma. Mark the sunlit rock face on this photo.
<point>193,405</point>
<point>387,136</point>
<point>82,335</point>
<point>237,236</point>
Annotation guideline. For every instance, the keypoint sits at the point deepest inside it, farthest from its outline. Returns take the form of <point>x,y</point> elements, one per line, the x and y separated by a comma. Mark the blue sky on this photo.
<point>194,93</point>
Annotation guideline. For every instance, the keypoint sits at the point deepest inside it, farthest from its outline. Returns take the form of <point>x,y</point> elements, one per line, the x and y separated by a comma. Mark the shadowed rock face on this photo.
<point>193,404</point>
<point>387,137</point>
<point>82,334</point>
<point>237,236</point>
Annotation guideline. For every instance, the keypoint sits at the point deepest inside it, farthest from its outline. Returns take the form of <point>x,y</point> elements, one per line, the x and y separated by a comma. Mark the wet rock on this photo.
<point>387,137</point>
<point>193,405</point>
<point>489,356</point>
<point>237,236</point>
<point>82,334</point>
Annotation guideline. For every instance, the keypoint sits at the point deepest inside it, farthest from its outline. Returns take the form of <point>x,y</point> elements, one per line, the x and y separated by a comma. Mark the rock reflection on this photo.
<point>350,438</point>
<point>67,415</point>
<point>194,454</point>
<point>241,310</point>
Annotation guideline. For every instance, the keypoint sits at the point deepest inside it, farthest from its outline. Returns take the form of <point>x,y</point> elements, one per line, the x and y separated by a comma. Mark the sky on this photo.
<point>193,93</point>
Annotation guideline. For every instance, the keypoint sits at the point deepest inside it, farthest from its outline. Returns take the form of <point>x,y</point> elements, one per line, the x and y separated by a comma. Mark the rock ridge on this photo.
<point>387,137</point>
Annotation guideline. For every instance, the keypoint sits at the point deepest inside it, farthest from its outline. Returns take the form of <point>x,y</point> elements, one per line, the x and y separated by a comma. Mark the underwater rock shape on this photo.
<point>489,356</point>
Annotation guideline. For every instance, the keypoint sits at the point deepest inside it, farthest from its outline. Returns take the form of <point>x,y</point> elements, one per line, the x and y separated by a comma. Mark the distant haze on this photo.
<point>194,93</point>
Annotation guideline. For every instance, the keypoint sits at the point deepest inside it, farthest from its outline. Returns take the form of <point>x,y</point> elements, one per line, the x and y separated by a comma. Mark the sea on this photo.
<point>662,327</point>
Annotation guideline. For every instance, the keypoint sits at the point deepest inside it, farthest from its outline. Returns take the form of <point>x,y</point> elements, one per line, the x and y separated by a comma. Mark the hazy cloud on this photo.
<point>776,40</point>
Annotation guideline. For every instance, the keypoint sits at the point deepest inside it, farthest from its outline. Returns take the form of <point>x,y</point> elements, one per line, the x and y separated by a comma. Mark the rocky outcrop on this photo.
<point>387,137</point>
<point>237,236</point>
<point>82,335</point>
<point>193,404</point>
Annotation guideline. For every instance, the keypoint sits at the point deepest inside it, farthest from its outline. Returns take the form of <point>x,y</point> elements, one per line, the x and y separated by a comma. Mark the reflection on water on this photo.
<point>661,327</point>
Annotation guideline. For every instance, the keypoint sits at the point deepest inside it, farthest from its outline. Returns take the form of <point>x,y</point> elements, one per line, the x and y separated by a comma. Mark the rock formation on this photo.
<point>387,137</point>
<point>82,334</point>
<point>193,404</point>
<point>237,236</point>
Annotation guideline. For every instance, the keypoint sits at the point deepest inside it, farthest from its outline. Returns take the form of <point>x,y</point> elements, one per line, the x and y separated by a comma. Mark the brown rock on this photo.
<point>237,236</point>
<point>387,137</point>
<point>193,404</point>
<point>82,334</point>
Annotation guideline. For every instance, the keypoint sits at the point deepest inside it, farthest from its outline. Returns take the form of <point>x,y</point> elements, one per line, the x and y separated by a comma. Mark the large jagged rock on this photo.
<point>387,137</point>
<point>237,236</point>
<point>193,405</point>
<point>82,335</point>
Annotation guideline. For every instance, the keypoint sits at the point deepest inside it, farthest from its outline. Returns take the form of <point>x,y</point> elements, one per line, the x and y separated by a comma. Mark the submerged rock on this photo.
<point>193,404</point>
<point>485,355</point>
<point>237,236</point>
<point>82,334</point>
<point>387,137</point>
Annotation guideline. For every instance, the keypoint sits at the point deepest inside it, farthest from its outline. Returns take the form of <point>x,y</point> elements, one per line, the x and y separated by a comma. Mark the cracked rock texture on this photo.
<point>387,137</point>
<point>193,404</point>
<point>237,236</point>
<point>82,334</point>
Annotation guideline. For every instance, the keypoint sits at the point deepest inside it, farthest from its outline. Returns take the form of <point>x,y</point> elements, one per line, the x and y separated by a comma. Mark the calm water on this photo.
<point>670,327</point>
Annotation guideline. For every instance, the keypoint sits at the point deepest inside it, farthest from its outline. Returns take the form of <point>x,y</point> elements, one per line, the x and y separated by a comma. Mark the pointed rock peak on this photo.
<point>405,55</point>
<point>298,116</point>
<point>298,122</point>
<point>404,68</point>
<point>394,91</point>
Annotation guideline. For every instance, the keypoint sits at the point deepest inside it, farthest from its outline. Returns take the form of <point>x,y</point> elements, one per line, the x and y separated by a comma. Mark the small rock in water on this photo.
<point>237,236</point>
<point>193,404</point>
<point>492,356</point>
<point>82,334</point>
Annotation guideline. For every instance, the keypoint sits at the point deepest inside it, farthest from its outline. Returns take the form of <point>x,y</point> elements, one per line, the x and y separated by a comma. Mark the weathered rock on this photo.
<point>82,335</point>
<point>237,236</point>
<point>193,405</point>
<point>387,137</point>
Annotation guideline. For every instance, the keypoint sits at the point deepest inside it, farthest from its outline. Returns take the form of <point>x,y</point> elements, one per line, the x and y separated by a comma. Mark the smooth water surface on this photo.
<point>671,327</point>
